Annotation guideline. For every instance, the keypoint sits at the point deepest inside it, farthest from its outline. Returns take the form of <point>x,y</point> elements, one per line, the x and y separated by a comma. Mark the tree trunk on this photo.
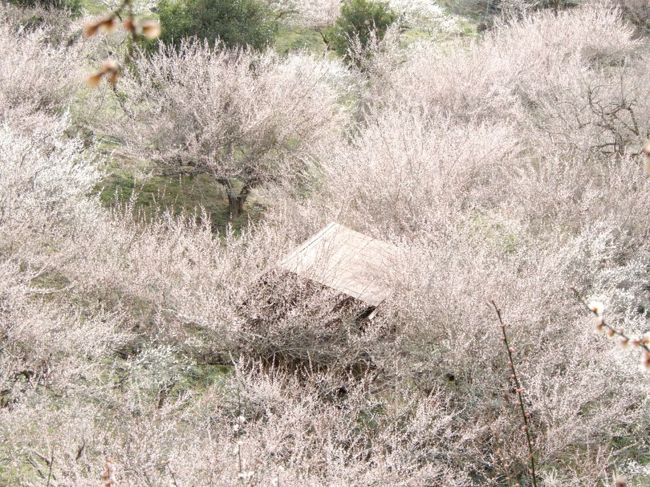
<point>235,204</point>
<point>236,200</point>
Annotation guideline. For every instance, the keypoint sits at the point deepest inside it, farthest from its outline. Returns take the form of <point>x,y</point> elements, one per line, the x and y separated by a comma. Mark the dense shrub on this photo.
<point>56,27</point>
<point>589,62</point>
<point>34,72</point>
<point>308,13</point>
<point>489,11</point>
<point>637,12</point>
<point>72,6</point>
<point>234,23</point>
<point>358,22</point>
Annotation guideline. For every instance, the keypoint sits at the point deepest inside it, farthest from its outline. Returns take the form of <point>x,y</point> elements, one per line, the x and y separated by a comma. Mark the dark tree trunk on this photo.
<point>236,199</point>
<point>235,204</point>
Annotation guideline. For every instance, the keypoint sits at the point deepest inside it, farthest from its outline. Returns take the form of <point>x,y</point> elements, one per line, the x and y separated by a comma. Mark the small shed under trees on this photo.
<point>323,292</point>
<point>345,261</point>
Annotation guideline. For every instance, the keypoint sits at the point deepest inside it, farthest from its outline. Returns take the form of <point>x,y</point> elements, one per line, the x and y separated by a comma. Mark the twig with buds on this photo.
<point>147,29</point>
<point>108,475</point>
<point>520,395</point>
<point>598,309</point>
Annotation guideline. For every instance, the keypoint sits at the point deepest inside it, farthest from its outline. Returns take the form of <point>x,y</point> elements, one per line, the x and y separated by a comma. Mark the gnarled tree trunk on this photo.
<point>236,199</point>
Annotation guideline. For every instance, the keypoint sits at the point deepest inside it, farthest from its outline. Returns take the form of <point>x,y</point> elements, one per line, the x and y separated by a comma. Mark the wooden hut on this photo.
<point>323,292</point>
<point>345,261</point>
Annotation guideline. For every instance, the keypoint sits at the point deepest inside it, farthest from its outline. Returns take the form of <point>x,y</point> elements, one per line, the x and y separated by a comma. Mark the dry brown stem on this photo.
<point>520,395</point>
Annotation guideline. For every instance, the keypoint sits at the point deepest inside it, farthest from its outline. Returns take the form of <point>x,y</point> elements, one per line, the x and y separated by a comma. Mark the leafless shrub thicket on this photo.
<point>56,25</point>
<point>488,166</point>
<point>308,13</point>
<point>459,157</point>
<point>48,344</point>
<point>567,73</point>
<point>637,12</point>
<point>33,73</point>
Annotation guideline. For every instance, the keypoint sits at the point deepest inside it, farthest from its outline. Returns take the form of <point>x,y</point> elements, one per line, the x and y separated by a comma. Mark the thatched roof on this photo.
<point>345,260</point>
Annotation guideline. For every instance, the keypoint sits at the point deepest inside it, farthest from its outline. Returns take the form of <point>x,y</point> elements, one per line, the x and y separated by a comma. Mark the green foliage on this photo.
<point>74,6</point>
<point>234,22</point>
<point>357,20</point>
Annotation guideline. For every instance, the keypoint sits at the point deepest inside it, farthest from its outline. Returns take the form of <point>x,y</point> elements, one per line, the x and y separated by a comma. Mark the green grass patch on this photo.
<point>17,472</point>
<point>93,7</point>
<point>294,38</point>
<point>469,27</point>
<point>498,233</point>
<point>415,34</point>
<point>51,280</point>
<point>180,195</point>
<point>199,377</point>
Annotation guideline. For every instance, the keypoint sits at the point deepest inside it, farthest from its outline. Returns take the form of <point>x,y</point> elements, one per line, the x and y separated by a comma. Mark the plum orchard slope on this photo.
<point>346,261</point>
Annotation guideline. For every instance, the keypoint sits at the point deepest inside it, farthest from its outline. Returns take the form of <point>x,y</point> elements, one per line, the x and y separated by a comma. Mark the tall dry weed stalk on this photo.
<point>520,395</point>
